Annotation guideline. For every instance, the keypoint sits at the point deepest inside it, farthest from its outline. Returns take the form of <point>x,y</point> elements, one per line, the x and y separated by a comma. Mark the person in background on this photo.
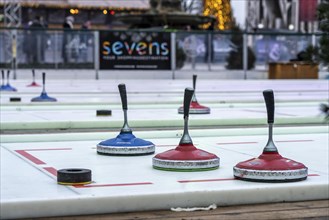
<point>26,41</point>
<point>68,23</point>
<point>37,41</point>
<point>85,35</point>
<point>85,39</point>
<point>86,25</point>
<point>67,36</point>
<point>209,41</point>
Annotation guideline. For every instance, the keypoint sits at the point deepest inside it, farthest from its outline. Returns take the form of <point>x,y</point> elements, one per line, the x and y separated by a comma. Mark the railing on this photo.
<point>213,51</point>
<point>51,48</point>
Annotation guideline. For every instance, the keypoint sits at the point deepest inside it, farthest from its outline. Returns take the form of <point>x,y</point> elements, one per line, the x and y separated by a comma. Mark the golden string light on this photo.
<point>54,5</point>
<point>74,11</point>
<point>221,10</point>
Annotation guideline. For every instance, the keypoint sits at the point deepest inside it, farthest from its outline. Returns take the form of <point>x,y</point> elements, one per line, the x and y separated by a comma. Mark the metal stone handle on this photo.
<point>123,95</point>
<point>43,78</point>
<point>43,82</point>
<point>3,75</point>
<point>8,73</point>
<point>269,100</point>
<point>194,80</point>
<point>187,100</point>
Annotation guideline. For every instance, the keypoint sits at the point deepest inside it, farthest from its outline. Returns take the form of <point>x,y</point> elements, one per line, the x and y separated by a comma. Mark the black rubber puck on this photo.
<point>14,99</point>
<point>104,113</point>
<point>74,176</point>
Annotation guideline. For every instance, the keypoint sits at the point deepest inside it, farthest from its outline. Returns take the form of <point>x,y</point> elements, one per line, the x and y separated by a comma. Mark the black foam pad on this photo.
<point>14,99</point>
<point>73,176</point>
<point>103,112</point>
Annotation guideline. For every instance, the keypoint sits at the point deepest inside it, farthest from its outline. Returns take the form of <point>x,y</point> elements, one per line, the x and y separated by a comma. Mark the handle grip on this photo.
<point>187,100</point>
<point>194,80</point>
<point>123,95</point>
<point>269,100</point>
<point>3,75</point>
<point>8,72</point>
<point>33,73</point>
<point>43,78</point>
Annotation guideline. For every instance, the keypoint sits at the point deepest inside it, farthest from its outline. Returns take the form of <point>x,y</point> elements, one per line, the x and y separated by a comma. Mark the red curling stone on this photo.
<point>270,167</point>
<point>186,157</point>
<point>195,108</point>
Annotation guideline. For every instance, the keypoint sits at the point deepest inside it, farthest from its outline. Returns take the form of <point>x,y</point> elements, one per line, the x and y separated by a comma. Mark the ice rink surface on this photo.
<point>28,175</point>
<point>29,161</point>
<point>153,104</point>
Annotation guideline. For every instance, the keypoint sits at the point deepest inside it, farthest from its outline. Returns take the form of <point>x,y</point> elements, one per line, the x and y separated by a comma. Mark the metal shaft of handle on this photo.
<point>270,146</point>
<point>8,73</point>
<point>186,138</point>
<point>125,127</point>
<point>33,75</point>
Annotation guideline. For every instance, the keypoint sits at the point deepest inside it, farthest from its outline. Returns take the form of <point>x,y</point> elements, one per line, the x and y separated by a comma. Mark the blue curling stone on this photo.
<point>43,98</point>
<point>126,144</point>
<point>8,88</point>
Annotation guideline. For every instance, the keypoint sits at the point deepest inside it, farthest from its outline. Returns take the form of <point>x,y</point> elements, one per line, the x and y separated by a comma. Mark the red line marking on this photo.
<point>107,185</point>
<point>295,141</point>
<point>46,149</point>
<point>313,174</point>
<point>207,180</point>
<point>30,157</point>
<point>259,111</point>
<point>249,110</point>
<point>237,143</point>
<point>257,142</point>
<point>51,170</point>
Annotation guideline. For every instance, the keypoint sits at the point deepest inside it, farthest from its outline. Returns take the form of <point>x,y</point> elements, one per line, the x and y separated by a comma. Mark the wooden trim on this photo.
<point>288,210</point>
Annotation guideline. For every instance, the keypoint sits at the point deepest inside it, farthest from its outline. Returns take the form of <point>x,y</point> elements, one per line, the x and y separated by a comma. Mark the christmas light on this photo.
<point>74,11</point>
<point>55,5</point>
<point>221,10</point>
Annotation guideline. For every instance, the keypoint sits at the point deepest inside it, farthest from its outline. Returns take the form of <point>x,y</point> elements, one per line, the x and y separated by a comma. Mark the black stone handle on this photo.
<point>43,78</point>
<point>194,80</point>
<point>8,73</point>
<point>269,100</point>
<point>123,95</point>
<point>33,73</point>
<point>187,100</point>
<point>3,75</point>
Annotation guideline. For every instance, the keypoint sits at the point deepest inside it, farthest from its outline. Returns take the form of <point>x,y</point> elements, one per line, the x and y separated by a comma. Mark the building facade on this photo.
<point>293,15</point>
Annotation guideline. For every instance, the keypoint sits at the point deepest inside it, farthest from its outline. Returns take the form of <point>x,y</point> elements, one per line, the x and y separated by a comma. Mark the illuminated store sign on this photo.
<point>134,50</point>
